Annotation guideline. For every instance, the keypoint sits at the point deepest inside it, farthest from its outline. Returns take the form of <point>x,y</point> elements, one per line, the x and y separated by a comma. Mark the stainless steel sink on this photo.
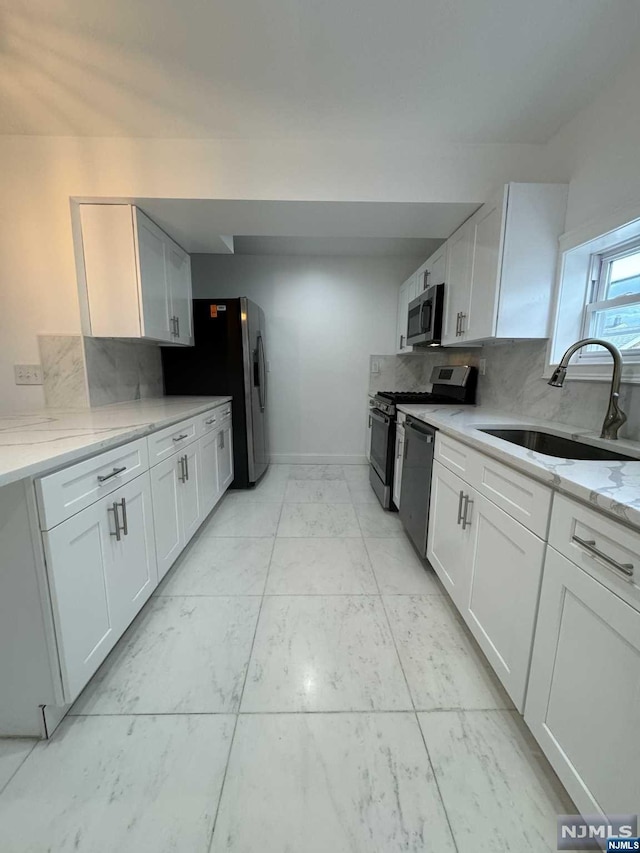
<point>557,445</point>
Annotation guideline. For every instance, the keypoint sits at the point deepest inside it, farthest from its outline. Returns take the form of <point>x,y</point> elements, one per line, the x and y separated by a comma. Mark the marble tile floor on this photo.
<point>298,682</point>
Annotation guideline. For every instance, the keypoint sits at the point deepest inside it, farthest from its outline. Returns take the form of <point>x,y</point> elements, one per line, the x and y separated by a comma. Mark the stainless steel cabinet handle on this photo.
<point>590,546</point>
<point>114,509</point>
<point>401,340</point>
<point>460,499</point>
<point>114,473</point>
<point>466,520</point>
<point>457,324</point>
<point>222,440</point>
<point>125,525</point>
<point>463,317</point>
<point>181,476</point>
<point>177,327</point>
<point>181,437</point>
<point>186,466</point>
<point>210,421</point>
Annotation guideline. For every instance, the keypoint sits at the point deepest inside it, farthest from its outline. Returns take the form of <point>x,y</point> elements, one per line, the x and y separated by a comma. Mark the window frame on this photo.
<point>601,263</point>
<point>579,250</point>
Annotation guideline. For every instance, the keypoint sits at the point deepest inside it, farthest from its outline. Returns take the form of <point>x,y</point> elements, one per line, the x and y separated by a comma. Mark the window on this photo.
<point>613,312</point>
<point>597,295</point>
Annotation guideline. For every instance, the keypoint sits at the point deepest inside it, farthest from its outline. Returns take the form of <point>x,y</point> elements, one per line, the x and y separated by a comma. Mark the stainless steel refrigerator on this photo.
<point>228,358</point>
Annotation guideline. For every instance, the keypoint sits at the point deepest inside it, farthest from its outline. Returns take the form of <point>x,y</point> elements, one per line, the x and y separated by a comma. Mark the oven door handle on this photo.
<point>379,416</point>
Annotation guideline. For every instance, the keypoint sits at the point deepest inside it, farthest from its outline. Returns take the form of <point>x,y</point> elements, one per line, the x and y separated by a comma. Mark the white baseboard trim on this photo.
<point>317,459</point>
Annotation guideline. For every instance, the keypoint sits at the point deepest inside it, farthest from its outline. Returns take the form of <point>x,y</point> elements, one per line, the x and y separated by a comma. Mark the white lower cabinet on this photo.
<point>491,566</point>
<point>224,451</point>
<point>165,486</point>
<point>505,568</point>
<point>101,568</point>
<point>209,483</point>
<point>176,504</point>
<point>190,506</point>
<point>448,542</point>
<point>583,703</point>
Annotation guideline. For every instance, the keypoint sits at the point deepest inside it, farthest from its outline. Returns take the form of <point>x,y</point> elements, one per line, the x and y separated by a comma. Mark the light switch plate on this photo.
<point>28,374</point>
<point>483,367</point>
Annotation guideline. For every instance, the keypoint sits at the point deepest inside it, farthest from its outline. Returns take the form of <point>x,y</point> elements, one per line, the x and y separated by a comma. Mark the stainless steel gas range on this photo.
<point>451,385</point>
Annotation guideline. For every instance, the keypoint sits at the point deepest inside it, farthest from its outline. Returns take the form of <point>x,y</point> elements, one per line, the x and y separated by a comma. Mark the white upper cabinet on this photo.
<point>138,281</point>
<point>501,266</point>
<point>408,291</point>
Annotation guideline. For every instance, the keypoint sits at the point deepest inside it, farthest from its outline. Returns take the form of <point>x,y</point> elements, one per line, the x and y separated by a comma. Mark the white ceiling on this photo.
<point>464,70</point>
<point>305,227</point>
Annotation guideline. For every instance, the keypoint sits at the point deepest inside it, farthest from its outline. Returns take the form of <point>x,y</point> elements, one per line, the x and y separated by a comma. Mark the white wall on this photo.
<point>324,316</point>
<point>600,149</point>
<point>40,174</point>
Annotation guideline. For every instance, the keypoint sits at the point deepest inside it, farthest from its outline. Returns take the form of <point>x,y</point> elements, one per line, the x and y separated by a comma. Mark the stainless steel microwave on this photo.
<point>424,324</point>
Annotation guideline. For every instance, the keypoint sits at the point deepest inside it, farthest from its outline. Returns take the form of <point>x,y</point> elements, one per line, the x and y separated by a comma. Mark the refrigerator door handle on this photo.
<point>262,375</point>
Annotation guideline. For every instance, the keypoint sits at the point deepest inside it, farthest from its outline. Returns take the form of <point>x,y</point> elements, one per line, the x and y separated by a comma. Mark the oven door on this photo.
<point>381,426</point>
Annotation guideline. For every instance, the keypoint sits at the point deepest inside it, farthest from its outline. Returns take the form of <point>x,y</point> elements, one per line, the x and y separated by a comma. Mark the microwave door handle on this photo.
<point>426,306</point>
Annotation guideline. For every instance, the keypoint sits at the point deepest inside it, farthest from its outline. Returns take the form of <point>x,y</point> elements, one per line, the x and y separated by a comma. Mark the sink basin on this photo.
<point>557,445</point>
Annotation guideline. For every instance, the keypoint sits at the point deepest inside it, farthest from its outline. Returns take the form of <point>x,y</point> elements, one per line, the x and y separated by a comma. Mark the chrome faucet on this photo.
<point>615,417</point>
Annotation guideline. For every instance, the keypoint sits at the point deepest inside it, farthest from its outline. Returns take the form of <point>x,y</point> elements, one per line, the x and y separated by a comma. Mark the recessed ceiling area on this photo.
<point>305,227</point>
<point>454,70</point>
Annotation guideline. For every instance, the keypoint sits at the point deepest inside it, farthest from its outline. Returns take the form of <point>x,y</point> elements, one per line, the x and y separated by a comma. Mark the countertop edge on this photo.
<point>86,451</point>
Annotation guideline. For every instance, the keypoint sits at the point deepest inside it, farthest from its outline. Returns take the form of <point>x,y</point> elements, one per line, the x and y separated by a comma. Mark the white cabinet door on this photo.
<point>401,324</point>
<point>79,558</point>
<point>209,487</point>
<point>583,702</point>
<point>155,298</point>
<point>487,232</point>
<point>448,542</point>
<point>458,280</point>
<point>397,469</point>
<point>190,490</point>
<point>505,570</point>
<point>438,266</point>
<point>224,449</point>
<point>132,575</point>
<point>179,272</point>
<point>165,488</point>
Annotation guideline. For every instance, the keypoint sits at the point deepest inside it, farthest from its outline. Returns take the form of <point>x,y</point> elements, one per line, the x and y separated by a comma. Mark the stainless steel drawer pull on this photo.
<point>590,545</point>
<point>466,520</point>
<point>181,437</point>
<point>460,499</point>
<point>210,421</point>
<point>114,473</point>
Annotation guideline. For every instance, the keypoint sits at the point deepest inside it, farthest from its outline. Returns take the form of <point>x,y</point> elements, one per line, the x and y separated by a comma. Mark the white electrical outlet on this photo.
<point>483,367</point>
<point>375,366</point>
<point>28,374</point>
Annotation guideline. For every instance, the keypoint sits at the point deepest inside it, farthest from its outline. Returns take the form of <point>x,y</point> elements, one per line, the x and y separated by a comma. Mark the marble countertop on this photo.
<point>613,487</point>
<point>33,443</point>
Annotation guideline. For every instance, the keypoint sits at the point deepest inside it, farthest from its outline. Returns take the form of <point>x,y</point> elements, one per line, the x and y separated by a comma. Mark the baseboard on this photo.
<point>317,459</point>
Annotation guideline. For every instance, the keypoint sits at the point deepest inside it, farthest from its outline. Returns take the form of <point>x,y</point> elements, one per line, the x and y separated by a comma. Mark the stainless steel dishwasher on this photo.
<point>416,480</point>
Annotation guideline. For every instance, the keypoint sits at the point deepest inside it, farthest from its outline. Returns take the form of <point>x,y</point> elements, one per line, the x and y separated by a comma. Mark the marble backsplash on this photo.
<point>514,383</point>
<point>80,371</point>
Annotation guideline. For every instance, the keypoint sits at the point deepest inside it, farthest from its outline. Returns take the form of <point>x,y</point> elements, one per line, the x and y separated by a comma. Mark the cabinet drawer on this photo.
<point>523,498</point>
<point>66,492</point>
<point>168,441</point>
<point>456,456</point>
<point>213,419</point>
<point>610,552</point>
